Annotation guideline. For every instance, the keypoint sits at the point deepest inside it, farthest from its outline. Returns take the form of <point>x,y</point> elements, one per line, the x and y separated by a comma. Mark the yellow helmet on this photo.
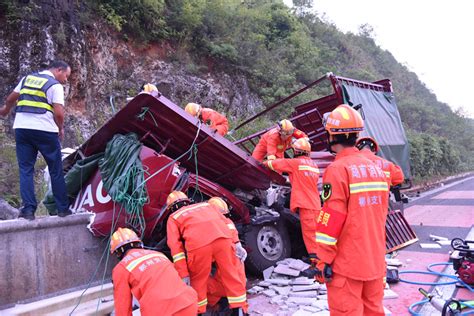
<point>175,197</point>
<point>220,204</point>
<point>149,87</point>
<point>286,127</point>
<point>193,108</point>
<point>122,237</point>
<point>301,145</point>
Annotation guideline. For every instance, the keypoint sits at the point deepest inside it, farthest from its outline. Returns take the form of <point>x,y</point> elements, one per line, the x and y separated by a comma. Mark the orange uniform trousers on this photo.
<point>199,260</point>
<point>216,290</point>
<point>308,228</point>
<point>351,297</point>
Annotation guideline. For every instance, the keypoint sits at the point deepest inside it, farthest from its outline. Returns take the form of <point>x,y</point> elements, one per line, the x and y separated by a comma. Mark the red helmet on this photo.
<point>343,120</point>
<point>368,141</point>
<point>122,237</point>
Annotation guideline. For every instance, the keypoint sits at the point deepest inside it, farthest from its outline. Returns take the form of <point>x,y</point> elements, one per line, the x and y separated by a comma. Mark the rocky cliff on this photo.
<point>104,64</point>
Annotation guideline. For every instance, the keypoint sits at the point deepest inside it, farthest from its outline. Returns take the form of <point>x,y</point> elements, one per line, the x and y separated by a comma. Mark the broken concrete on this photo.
<point>282,290</point>
<point>302,300</point>
<point>302,281</point>
<point>285,270</point>
<point>255,290</point>
<point>269,293</point>
<point>267,273</point>
<point>279,281</point>
<point>299,265</point>
<point>298,288</point>
<point>313,294</point>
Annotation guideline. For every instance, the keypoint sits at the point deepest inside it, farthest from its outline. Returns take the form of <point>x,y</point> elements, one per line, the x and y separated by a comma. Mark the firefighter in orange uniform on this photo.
<point>305,200</point>
<point>350,229</point>
<point>214,119</point>
<point>276,141</point>
<point>150,277</point>
<point>369,148</point>
<point>197,236</point>
<point>215,289</point>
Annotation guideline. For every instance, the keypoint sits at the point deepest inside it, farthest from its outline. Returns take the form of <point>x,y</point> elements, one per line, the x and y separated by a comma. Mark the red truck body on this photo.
<point>170,136</point>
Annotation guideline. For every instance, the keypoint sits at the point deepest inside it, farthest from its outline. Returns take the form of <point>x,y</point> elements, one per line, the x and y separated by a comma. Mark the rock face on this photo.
<point>7,211</point>
<point>104,65</point>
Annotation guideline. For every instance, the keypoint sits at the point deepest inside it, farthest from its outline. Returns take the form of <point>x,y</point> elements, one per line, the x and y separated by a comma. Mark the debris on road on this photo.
<point>283,293</point>
<point>430,246</point>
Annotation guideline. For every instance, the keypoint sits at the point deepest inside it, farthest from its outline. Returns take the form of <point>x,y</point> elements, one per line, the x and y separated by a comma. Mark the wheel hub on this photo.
<point>270,243</point>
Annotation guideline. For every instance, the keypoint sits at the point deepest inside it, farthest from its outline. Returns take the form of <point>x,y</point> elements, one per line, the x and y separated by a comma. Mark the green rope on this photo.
<point>123,176</point>
<point>145,110</point>
<point>192,150</point>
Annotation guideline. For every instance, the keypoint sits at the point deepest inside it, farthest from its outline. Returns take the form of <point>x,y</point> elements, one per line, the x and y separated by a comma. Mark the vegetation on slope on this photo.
<point>281,49</point>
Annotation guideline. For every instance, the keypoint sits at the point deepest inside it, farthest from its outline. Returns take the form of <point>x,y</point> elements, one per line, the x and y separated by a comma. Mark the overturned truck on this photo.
<point>180,153</point>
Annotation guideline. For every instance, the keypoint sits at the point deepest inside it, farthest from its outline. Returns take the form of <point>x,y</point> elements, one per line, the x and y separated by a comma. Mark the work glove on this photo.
<point>240,252</point>
<point>323,271</point>
<point>187,281</point>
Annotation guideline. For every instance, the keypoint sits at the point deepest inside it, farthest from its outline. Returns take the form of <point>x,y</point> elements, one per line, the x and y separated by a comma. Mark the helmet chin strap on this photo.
<point>330,144</point>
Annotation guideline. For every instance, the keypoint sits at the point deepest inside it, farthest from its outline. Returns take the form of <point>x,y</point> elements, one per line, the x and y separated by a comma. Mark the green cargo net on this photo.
<point>122,173</point>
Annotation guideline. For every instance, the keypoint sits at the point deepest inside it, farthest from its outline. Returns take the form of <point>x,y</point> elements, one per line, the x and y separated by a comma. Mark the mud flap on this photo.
<point>398,232</point>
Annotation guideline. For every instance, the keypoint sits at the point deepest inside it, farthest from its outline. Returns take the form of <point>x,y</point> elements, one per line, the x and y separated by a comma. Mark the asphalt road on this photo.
<point>447,211</point>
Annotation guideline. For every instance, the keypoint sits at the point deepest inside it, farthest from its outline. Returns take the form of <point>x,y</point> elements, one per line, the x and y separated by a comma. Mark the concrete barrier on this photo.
<point>49,256</point>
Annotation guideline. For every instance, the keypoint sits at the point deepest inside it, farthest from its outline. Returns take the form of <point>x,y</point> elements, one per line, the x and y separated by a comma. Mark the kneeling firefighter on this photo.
<point>197,237</point>
<point>150,277</point>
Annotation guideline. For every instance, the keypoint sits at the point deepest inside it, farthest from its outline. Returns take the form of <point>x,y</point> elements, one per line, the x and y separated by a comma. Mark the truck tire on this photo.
<point>267,244</point>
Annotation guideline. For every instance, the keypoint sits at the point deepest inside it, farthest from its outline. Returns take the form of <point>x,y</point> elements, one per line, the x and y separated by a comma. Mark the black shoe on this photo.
<point>65,213</point>
<point>26,215</point>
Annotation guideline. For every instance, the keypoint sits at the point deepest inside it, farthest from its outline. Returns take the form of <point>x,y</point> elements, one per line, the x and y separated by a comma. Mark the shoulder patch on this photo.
<point>327,190</point>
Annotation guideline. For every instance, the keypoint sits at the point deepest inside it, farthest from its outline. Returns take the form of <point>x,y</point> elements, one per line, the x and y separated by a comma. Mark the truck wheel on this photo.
<point>267,244</point>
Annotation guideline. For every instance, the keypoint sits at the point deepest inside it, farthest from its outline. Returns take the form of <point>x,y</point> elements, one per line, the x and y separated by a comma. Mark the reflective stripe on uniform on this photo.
<point>35,104</point>
<point>270,165</point>
<point>237,299</point>
<point>368,187</point>
<point>132,265</point>
<point>179,213</point>
<point>231,226</point>
<point>325,239</point>
<point>179,256</point>
<point>308,168</point>
<point>38,93</point>
<point>203,302</point>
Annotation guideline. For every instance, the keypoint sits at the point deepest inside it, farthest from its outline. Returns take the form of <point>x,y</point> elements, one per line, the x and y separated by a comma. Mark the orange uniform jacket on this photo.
<point>215,120</point>
<point>304,175</point>
<point>350,231</point>
<point>392,171</point>
<point>271,144</point>
<point>192,227</point>
<point>235,234</point>
<point>152,279</point>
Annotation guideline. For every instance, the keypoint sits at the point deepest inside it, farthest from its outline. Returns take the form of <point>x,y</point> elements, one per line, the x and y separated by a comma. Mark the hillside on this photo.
<point>233,55</point>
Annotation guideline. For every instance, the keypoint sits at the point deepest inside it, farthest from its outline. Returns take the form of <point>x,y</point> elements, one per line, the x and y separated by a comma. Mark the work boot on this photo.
<point>64,213</point>
<point>27,215</point>
<point>238,312</point>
